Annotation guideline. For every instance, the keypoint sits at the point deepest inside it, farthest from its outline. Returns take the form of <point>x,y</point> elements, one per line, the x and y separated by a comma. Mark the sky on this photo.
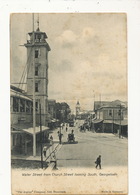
<point>88,57</point>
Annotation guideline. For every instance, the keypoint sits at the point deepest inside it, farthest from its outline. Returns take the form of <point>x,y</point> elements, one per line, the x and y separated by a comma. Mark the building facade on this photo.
<point>21,106</point>
<point>37,71</point>
<point>52,108</point>
<point>111,117</point>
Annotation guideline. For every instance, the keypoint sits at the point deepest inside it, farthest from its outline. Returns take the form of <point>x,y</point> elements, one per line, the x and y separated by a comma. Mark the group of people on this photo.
<point>60,135</point>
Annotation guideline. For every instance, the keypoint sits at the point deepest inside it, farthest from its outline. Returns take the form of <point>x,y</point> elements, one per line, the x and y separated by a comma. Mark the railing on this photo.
<point>36,41</point>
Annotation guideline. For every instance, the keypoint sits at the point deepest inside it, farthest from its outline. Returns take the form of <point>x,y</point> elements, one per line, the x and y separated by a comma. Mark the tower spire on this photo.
<point>38,22</point>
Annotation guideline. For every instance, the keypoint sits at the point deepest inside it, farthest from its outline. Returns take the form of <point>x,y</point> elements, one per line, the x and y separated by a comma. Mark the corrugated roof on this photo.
<point>20,95</point>
<point>28,128</point>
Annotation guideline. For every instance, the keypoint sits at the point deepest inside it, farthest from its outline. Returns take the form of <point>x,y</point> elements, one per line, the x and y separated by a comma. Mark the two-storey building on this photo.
<point>111,116</point>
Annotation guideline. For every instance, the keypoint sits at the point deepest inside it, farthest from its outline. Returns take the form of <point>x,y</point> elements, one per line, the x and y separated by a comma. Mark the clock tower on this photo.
<point>77,108</point>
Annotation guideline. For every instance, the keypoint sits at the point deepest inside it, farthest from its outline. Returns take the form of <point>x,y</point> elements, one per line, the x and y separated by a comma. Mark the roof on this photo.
<point>98,104</point>
<point>109,104</point>
<point>28,128</point>
<point>16,88</point>
<point>19,95</point>
<point>38,32</point>
<point>78,103</point>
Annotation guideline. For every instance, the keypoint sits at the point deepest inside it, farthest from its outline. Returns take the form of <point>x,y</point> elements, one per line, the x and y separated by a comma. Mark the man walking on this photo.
<point>98,162</point>
<point>60,137</point>
<point>44,150</point>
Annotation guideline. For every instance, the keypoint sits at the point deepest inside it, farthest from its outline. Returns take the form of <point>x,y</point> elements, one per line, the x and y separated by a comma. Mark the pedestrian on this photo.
<point>47,137</point>
<point>98,162</point>
<point>60,136</point>
<point>53,160</point>
<point>66,129</point>
<point>44,150</point>
<point>51,140</point>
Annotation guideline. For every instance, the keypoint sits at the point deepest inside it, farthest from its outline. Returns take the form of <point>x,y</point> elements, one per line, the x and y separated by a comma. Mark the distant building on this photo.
<point>78,108</point>
<point>52,121</point>
<point>110,116</point>
<point>98,104</point>
<point>51,108</point>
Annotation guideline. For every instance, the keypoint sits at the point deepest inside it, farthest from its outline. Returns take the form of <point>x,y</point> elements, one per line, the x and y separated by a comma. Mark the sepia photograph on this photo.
<point>69,103</point>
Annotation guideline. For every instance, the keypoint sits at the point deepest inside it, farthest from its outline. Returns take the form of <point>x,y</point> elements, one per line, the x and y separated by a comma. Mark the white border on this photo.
<point>132,8</point>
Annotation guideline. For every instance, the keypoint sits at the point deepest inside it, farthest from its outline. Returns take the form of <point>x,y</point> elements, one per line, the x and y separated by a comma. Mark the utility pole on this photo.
<point>120,122</point>
<point>41,138</point>
<point>100,105</point>
<point>113,122</point>
<point>60,136</point>
<point>34,111</point>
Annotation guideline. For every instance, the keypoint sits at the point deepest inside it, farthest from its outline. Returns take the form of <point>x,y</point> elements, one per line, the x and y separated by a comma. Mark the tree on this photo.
<point>62,111</point>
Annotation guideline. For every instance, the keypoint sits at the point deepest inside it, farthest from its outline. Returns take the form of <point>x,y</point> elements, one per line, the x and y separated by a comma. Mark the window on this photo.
<point>15,104</point>
<point>119,113</point>
<point>39,36</point>
<point>28,106</point>
<point>110,112</point>
<point>36,106</point>
<point>36,87</point>
<point>36,71</point>
<point>22,105</point>
<point>36,53</point>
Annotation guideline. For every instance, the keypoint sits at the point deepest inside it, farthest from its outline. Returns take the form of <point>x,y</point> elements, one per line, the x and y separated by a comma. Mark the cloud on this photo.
<point>62,66</point>
<point>107,75</point>
<point>67,38</point>
<point>87,34</point>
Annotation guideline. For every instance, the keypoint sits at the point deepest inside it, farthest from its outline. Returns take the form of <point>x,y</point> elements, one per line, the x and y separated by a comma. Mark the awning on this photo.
<point>53,120</point>
<point>37,130</point>
<point>123,122</point>
<point>108,121</point>
<point>117,122</point>
<point>97,121</point>
<point>27,128</point>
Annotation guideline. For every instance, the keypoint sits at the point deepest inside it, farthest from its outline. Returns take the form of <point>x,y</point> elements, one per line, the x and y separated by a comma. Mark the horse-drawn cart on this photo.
<point>71,137</point>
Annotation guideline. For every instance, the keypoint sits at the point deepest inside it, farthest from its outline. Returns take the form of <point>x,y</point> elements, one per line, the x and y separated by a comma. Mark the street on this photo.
<point>90,145</point>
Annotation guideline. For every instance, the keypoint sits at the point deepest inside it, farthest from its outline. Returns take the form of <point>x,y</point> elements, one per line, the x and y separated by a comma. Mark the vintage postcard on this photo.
<point>68,98</point>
